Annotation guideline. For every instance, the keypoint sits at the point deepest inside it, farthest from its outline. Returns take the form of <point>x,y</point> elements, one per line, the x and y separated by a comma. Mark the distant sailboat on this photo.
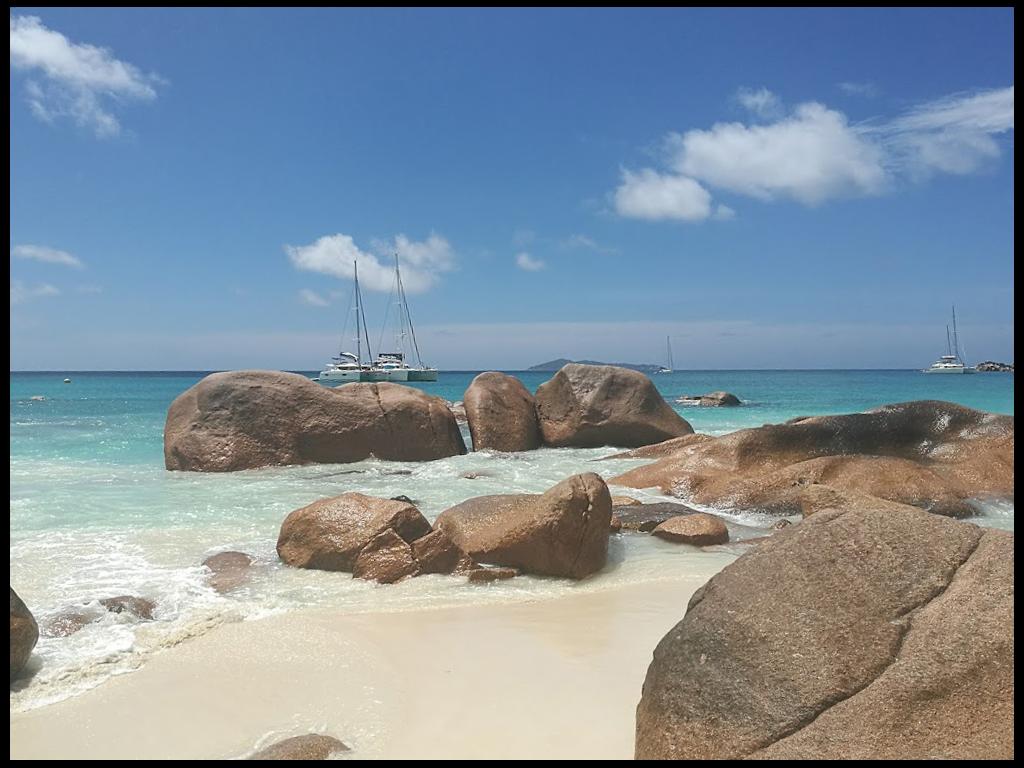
<point>670,368</point>
<point>951,362</point>
<point>348,366</point>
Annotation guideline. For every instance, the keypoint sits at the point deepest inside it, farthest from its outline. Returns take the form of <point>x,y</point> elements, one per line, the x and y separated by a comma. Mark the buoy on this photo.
<point>67,381</point>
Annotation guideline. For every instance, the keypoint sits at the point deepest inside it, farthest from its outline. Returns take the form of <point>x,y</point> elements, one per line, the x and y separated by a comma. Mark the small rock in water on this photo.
<point>404,498</point>
<point>474,475</point>
<point>312,746</point>
<point>492,574</point>
<point>700,530</point>
<point>139,607</point>
<point>230,570</point>
<point>67,623</point>
<point>646,517</point>
<point>397,472</point>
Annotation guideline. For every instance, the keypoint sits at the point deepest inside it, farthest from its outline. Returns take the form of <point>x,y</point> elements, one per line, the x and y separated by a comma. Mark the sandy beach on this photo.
<point>553,678</point>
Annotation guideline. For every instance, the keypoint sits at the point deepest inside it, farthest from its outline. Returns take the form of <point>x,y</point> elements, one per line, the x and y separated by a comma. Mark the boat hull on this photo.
<point>329,377</point>
<point>401,374</point>
<point>955,371</point>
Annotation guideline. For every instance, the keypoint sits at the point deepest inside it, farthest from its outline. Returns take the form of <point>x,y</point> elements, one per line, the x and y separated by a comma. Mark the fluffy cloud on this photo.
<point>761,102</point>
<point>47,255</point>
<point>21,293</point>
<point>653,196</point>
<point>78,79</point>
<point>526,262</point>
<point>814,154</point>
<point>336,255</point>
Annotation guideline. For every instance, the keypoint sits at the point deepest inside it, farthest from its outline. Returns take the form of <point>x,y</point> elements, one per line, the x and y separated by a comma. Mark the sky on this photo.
<point>769,188</point>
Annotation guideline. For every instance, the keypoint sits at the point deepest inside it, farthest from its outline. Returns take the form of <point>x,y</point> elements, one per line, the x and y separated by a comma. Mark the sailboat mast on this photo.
<point>949,349</point>
<point>668,344</point>
<point>956,344</point>
<point>405,306</point>
<point>359,335</point>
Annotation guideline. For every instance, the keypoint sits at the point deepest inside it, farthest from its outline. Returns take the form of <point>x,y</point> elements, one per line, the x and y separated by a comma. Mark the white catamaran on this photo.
<point>392,366</point>
<point>951,362</point>
<point>349,366</point>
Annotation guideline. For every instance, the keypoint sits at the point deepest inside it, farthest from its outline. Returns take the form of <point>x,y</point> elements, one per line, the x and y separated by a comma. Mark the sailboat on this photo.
<point>951,362</point>
<point>669,369</point>
<point>349,366</point>
<point>392,366</point>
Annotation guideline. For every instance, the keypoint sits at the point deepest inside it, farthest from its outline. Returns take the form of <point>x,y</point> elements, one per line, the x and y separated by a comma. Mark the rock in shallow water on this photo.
<point>563,532</point>
<point>700,530</point>
<point>893,639</point>
<point>646,517</point>
<point>229,570</point>
<point>24,634</point>
<point>246,419</point>
<point>586,406</point>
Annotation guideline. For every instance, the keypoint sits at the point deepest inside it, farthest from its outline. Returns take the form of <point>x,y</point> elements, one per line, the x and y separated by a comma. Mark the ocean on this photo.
<point>94,514</point>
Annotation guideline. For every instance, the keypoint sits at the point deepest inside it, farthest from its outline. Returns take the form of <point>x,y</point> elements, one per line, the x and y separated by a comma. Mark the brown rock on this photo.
<point>893,639</point>
<point>501,413</point>
<point>386,558</point>
<point>593,405</point>
<point>563,532</point>
<point>329,534</point>
<point>313,746</point>
<point>67,623</point>
<point>245,419</point>
<point>436,553</point>
<point>662,449</point>
<point>24,634</point>
<point>492,574</point>
<point>646,517</point>
<point>625,501</point>
<point>928,454</point>
<point>139,607</point>
<point>230,570</point>
<point>700,530</point>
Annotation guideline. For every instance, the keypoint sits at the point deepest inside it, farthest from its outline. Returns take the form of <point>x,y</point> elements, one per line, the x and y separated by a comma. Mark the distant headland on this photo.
<point>554,365</point>
<point>988,365</point>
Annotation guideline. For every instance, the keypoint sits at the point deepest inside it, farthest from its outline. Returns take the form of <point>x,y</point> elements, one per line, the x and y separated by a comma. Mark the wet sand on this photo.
<point>552,678</point>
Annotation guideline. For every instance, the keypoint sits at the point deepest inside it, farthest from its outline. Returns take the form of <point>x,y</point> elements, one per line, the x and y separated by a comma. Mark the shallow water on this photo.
<point>94,514</point>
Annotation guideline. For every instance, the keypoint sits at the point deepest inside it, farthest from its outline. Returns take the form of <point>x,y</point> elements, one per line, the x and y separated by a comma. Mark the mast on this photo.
<point>949,349</point>
<point>359,336</point>
<point>366,331</point>
<point>405,305</point>
<point>668,343</point>
<point>956,345</point>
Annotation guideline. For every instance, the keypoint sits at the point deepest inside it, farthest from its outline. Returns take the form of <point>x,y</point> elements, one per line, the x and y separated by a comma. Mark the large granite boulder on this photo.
<point>563,532</point>
<point>928,454</point>
<point>891,639</point>
<point>501,412</point>
<point>377,539</point>
<point>585,406</point>
<point>245,419</point>
<point>24,634</point>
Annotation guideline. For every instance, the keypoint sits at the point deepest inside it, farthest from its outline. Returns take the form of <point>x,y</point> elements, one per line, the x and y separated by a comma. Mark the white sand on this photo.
<point>556,678</point>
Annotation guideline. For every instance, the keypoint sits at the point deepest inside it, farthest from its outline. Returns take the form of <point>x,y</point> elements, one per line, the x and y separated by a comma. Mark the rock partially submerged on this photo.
<point>892,639</point>
<point>377,539</point>
<point>587,406</point>
<point>928,454</point>
<point>24,634</point>
<point>646,517</point>
<point>139,607</point>
<point>711,400</point>
<point>246,419</point>
<point>74,618</point>
<point>700,530</point>
<point>229,570</point>
<point>501,414</point>
<point>563,532</point>
<point>312,746</point>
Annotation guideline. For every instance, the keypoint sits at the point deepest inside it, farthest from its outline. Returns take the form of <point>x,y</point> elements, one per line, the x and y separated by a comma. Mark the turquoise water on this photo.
<point>94,513</point>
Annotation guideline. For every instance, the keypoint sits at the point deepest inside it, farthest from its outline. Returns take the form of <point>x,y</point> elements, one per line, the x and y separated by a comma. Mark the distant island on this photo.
<point>554,365</point>
<point>988,365</point>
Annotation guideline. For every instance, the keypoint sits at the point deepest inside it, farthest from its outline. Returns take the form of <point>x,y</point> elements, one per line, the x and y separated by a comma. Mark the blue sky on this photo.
<point>769,188</point>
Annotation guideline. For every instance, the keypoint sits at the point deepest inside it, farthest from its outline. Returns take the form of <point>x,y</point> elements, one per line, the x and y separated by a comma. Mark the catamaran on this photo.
<point>349,366</point>
<point>669,369</point>
<point>951,362</point>
<point>392,366</point>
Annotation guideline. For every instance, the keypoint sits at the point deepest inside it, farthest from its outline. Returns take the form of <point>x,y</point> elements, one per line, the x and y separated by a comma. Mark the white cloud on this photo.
<point>761,102</point>
<point>44,254</point>
<point>312,298</point>
<point>530,264</point>
<point>814,154</point>
<point>21,293</point>
<point>810,156</point>
<point>950,135</point>
<point>79,79</point>
<point>421,261</point>
<point>652,195</point>
<point>89,288</point>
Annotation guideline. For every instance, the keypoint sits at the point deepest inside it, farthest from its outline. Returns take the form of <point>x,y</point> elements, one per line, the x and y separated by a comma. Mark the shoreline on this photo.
<point>552,678</point>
